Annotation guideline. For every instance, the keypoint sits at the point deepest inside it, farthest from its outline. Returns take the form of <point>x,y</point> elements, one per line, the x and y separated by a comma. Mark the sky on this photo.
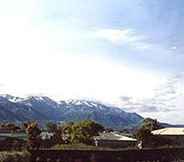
<point>124,52</point>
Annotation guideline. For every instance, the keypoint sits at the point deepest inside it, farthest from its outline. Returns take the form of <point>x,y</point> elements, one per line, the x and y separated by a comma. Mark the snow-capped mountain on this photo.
<point>44,109</point>
<point>11,98</point>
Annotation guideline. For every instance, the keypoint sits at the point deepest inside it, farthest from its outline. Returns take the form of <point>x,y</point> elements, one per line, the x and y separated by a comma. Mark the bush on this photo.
<point>14,156</point>
<point>79,146</point>
<point>80,132</point>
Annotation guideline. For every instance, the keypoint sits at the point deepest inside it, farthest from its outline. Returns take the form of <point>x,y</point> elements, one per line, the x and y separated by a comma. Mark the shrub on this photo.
<point>14,156</point>
<point>79,146</point>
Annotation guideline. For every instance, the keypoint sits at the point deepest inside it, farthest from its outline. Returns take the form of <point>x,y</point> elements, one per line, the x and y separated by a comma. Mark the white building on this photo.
<point>46,135</point>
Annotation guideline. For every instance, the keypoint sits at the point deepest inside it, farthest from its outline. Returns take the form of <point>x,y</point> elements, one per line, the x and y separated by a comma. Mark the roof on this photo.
<point>113,136</point>
<point>169,131</point>
<point>14,135</point>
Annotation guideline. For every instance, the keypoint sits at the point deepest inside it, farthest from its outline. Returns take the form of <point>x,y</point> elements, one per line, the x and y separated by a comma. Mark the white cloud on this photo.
<point>166,104</point>
<point>173,48</point>
<point>37,57</point>
<point>72,77</point>
<point>35,60</point>
<point>123,37</point>
<point>172,117</point>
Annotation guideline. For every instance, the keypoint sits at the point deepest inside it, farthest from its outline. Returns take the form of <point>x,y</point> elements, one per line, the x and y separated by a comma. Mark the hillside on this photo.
<point>44,109</point>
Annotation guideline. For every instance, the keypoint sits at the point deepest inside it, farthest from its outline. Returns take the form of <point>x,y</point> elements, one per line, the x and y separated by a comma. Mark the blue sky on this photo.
<point>156,26</point>
<point>107,50</point>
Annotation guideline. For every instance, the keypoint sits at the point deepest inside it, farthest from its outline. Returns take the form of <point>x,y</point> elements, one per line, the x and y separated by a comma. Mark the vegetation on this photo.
<point>33,132</point>
<point>74,146</point>
<point>68,133</point>
<point>79,132</point>
<point>14,156</point>
<point>148,125</point>
<point>151,124</point>
<point>51,127</point>
<point>144,133</point>
<point>9,127</point>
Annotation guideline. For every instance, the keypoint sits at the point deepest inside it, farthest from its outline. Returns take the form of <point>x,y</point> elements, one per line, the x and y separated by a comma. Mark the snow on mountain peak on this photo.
<point>11,98</point>
<point>44,109</point>
<point>81,102</point>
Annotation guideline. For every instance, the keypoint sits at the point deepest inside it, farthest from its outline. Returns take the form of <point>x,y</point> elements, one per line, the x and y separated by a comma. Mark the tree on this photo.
<point>67,133</point>
<point>144,132</point>
<point>10,126</point>
<point>33,132</point>
<point>84,131</point>
<point>51,127</point>
<point>80,132</point>
<point>151,124</point>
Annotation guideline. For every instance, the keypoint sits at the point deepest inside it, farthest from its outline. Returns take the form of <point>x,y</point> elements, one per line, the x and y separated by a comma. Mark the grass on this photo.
<point>73,147</point>
<point>14,156</point>
<point>86,147</point>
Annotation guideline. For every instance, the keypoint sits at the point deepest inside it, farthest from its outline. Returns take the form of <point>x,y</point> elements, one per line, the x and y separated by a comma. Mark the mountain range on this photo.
<point>45,109</point>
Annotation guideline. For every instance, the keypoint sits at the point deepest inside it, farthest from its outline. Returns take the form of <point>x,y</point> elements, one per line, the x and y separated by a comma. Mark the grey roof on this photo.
<point>14,135</point>
<point>169,131</point>
<point>113,136</point>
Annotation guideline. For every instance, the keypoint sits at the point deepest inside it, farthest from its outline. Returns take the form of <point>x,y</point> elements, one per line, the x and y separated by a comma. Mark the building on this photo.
<point>46,135</point>
<point>172,136</point>
<point>114,140</point>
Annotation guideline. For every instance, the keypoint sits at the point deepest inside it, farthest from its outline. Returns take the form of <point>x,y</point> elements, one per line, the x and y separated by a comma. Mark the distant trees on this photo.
<point>68,133</point>
<point>79,132</point>
<point>9,127</point>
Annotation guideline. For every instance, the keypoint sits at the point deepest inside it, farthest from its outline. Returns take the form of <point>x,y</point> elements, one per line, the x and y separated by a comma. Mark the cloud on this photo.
<point>126,98</point>
<point>43,57</point>
<point>173,48</point>
<point>139,106</point>
<point>166,105</point>
<point>172,117</point>
<point>167,97</point>
<point>123,37</point>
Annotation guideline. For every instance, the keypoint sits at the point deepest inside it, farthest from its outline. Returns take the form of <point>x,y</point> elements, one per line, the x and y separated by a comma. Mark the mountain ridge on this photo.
<point>44,109</point>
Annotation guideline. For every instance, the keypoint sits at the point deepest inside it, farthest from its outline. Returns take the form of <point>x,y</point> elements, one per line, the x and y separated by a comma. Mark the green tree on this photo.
<point>143,134</point>
<point>80,132</point>
<point>144,131</point>
<point>51,127</point>
<point>10,126</point>
<point>151,124</point>
<point>69,133</point>
<point>33,132</point>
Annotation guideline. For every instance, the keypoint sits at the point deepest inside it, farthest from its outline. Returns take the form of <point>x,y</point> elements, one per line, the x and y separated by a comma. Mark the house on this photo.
<point>114,140</point>
<point>46,135</point>
<point>172,136</point>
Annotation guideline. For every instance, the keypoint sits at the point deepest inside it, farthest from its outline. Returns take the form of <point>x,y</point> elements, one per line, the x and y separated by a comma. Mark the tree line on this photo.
<point>67,133</point>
